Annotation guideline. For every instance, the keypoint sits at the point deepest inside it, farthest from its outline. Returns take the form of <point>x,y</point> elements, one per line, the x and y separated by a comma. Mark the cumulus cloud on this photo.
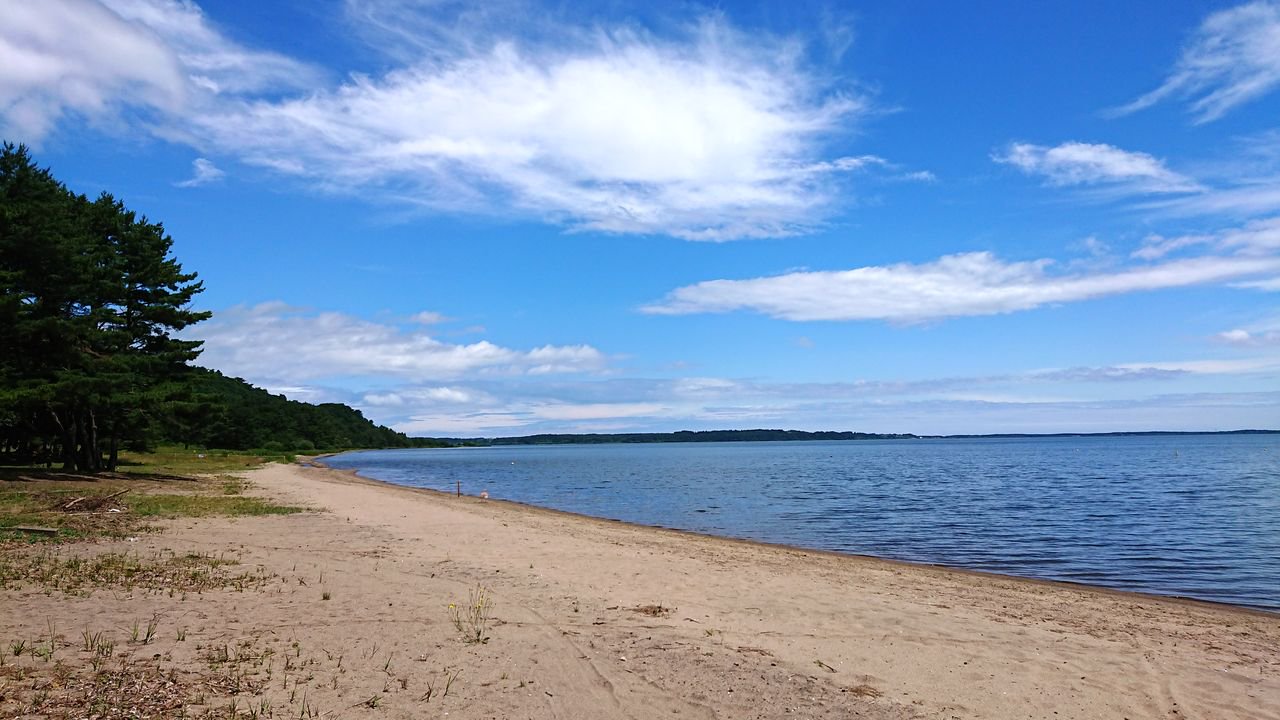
<point>953,286</point>
<point>712,138</point>
<point>1233,59</point>
<point>1076,163</point>
<point>203,172</point>
<point>273,341</point>
<point>1260,334</point>
<point>706,134</point>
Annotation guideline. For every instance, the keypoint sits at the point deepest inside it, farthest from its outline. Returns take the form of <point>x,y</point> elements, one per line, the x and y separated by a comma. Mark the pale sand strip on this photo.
<point>750,621</point>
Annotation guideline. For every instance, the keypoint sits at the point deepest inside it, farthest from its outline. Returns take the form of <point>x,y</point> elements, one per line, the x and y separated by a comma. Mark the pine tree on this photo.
<point>89,297</point>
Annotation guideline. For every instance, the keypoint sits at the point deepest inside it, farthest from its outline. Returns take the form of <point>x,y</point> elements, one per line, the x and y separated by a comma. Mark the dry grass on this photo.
<point>56,570</point>
<point>472,619</point>
<point>79,507</point>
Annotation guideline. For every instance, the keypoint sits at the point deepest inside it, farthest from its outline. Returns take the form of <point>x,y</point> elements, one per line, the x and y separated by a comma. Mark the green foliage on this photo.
<point>89,297</point>
<point>227,412</point>
<point>158,505</point>
<point>89,300</point>
<point>682,436</point>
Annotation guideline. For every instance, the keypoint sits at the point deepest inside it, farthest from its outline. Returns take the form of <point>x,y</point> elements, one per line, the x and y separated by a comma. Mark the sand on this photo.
<point>598,619</point>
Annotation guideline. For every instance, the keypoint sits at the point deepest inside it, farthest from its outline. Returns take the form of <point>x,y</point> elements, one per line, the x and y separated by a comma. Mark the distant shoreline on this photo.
<point>762,435</point>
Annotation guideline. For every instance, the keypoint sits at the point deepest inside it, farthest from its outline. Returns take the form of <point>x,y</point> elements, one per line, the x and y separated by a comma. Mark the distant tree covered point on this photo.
<point>682,436</point>
<point>693,436</point>
<point>210,409</point>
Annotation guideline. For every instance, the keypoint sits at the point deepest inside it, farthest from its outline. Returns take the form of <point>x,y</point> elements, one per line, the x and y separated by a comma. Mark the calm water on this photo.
<point>1197,516</point>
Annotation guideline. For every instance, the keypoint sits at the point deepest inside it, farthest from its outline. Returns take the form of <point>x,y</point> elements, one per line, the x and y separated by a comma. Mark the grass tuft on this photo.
<point>472,619</point>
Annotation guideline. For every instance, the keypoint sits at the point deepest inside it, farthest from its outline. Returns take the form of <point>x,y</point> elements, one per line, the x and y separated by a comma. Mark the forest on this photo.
<point>92,304</point>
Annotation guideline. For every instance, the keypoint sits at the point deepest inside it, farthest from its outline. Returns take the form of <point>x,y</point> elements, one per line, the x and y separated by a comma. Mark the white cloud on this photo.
<point>952,286</point>
<point>203,172</point>
<point>1263,333</point>
<point>162,57</point>
<point>1080,395</point>
<point>1258,237</point>
<point>426,395</point>
<point>60,56</point>
<point>594,411</point>
<point>1267,285</point>
<point>1214,367</point>
<point>1236,337</point>
<point>275,341</point>
<point>514,416</point>
<point>1155,247</point>
<point>428,317</point>
<point>1234,58</point>
<point>713,138</point>
<point>212,62</point>
<point>1076,163</point>
<point>710,135</point>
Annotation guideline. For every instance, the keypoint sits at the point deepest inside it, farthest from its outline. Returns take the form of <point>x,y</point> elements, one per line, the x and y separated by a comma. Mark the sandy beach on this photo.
<point>598,619</point>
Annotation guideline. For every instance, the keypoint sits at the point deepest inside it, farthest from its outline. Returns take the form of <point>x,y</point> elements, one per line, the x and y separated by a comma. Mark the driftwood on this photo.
<point>75,502</point>
<point>34,529</point>
<point>90,503</point>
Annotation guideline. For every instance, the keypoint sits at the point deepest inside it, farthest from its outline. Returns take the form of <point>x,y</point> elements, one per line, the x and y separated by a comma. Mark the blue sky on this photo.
<point>514,217</point>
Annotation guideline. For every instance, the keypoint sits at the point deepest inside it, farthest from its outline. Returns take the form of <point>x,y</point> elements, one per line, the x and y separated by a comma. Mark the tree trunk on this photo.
<point>114,459</point>
<point>90,456</point>
<point>67,431</point>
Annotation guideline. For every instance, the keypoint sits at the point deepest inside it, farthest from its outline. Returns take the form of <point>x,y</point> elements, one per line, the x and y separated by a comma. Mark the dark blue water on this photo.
<point>1195,516</point>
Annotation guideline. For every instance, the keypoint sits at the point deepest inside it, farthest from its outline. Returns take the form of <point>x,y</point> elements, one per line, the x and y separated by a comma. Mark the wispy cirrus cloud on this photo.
<point>97,59</point>
<point>1266,285</point>
<point>1258,237</point>
<point>1077,163</point>
<point>211,62</point>
<point>965,284</point>
<point>1233,59</point>
<point>274,343</point>
<point>1067,395</point>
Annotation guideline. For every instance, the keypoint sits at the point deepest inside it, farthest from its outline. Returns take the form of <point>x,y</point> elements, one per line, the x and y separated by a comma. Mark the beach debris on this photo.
<point>863,690</point>
<point>652,610</point>
<point>87,503</point>
<point>34,529</point>
<point>824,666</point>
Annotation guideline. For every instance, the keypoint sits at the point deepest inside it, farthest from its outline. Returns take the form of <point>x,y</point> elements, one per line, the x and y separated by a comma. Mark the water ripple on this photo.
<point>1195,516</point>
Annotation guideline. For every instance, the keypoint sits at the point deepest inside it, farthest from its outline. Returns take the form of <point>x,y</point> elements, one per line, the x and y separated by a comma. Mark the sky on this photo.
<point>506,218</point>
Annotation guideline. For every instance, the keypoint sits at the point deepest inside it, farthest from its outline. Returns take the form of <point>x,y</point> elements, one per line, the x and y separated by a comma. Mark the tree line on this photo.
<point>91,299</point>
<point>680,436</point>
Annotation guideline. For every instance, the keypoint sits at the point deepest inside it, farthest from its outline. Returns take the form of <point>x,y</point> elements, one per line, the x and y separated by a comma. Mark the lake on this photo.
<point>1191,515</point>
